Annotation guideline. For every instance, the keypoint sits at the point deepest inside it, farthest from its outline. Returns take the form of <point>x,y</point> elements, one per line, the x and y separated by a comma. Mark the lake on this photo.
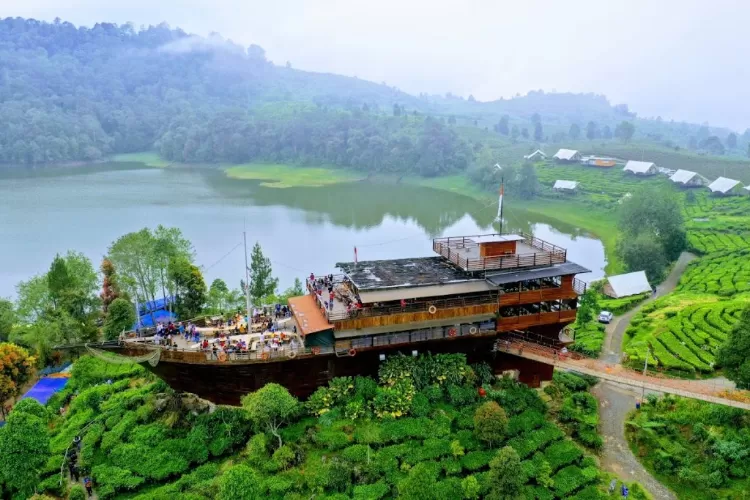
<point>302,230</point>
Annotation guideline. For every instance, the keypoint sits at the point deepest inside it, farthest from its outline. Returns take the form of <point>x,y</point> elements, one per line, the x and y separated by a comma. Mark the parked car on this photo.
<point>605,317</point>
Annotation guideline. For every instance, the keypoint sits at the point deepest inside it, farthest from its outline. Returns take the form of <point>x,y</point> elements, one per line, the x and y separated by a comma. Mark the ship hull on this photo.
<point>227,383</point>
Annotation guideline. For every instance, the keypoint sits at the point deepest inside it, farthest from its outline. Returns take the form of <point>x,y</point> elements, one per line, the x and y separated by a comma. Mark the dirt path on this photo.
<point>615,400</point>
<point>612,351</point>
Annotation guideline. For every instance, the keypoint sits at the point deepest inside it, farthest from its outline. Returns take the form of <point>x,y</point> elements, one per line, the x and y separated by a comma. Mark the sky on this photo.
<point>678,59</point>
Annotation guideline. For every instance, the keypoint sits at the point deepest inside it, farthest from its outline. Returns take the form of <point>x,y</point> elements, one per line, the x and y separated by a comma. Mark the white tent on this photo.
<point>725,186</point>
<point>688,178</point>
<point>640,167</point>
<point>536,155</point>
<point>567,155</point>
<point>625,285</point>
<point>561,185</point>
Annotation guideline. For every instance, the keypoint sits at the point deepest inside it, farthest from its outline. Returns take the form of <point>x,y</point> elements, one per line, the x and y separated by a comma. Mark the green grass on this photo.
<point>286,176</point>
<point>459,184</point>
<point>148,158</point>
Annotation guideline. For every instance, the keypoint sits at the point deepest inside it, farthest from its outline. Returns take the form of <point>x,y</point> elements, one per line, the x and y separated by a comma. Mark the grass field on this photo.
<point>286,176</point>
<point>148,158</point>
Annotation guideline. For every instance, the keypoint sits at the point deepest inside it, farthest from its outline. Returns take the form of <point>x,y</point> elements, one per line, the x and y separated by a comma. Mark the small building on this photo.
<point>567,155</point>
<point>726,187</point>
<point>686,178</point>
<point>565,186</point>
<point>642,168</point>
<point>537,155</point>
<point>599,161</point>
<point>625,285</point>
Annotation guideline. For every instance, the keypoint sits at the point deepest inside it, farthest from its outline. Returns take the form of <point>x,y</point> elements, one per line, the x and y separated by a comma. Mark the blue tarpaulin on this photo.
<point>160,316</point>
<point>45,388</point>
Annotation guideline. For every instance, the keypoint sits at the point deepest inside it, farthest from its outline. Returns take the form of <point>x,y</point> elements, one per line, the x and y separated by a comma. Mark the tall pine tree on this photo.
<point>262,282</point>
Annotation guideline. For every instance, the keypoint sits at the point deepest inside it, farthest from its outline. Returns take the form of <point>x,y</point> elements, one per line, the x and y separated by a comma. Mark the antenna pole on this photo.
<point>247,279</point>
<point>499,217</point>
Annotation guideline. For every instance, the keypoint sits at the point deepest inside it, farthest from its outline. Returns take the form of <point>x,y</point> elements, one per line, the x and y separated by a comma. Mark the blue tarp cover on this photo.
<point>161,316</point>
<point>45,388</point>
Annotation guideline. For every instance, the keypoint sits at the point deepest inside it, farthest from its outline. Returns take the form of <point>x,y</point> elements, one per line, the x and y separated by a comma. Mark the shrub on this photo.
<point>561,454</point>
<point>357,453</point>
<point>239,482</point>
<point>332,440</point>
<point>460,395</point>
<point>448,488</point>
<point>109,480</point>
<point>420,483</point>
<point>395,400</point>
<point>476,460</point>
<point>77,493</point>
<point>420,405</point>
<point>470,487</point>
<point>283,457</point>
<point>490,422</point>
<point>374,491</point>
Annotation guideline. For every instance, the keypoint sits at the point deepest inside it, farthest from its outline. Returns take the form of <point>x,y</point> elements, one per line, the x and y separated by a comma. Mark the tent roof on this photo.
<point>639,167</point>
<point>560,184</point>
<point>535,153</point>
<point>723,185</point>
<point>566,154</point>
<point>625,285</point>
<point>682,176</point>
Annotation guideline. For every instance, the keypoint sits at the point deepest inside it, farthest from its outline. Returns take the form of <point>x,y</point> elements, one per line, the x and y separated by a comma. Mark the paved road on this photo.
<point>615,401</point>
<point>612,350</point>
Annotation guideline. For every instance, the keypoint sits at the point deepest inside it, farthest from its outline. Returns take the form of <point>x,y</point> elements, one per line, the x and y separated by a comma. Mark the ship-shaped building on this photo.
<point>472,293</point>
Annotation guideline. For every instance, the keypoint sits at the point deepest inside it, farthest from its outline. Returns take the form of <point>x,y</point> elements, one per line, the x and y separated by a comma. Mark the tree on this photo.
<point>218,296</point>
<point>419,483</point>
<point>134,257</point>
<point>490,423</point>
<point>32,298</point>
<point>592,131</point>
<point>294,291</point>
<point>575,131</point>
<point>502,125</point>
<point>239,482</point>
<point>16,368</point>
<point>527,181</point>
<point>505,476</point>
<point>7,318</point>
<point>732,140</point>
<point>190,288</point>
<point>270,408</point>
<point>607,132</point>
<point>643,253</point>
<point>624,131</point>
<point>515,132</point>
<point>120,317</point>
<point>262,282</point>
<point>589,305</point>
<point>396,110</point>
<point>734,355</point>
<point>525,133</point>
<point>652,211</point>
<point>169,245</point>
<point>712,144</point>
<point>536,119</point>
<point>24,448</point>
<point>470,487</point>
<point>538,132</point>
<point>59,281</point>
<point>110,288</point>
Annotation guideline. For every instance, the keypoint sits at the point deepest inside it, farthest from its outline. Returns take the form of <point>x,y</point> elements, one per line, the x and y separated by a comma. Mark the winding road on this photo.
<point>616,400</point>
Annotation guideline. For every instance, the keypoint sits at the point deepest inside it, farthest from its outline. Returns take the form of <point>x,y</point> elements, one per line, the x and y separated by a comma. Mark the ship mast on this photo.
<point>499,217</point>
<point>247,280</point>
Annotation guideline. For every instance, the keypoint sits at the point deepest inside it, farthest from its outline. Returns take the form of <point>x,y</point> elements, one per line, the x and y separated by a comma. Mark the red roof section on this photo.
<point>309,316</point>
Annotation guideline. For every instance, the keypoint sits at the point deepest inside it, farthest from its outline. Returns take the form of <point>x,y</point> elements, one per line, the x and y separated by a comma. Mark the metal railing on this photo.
<point>450,248</point>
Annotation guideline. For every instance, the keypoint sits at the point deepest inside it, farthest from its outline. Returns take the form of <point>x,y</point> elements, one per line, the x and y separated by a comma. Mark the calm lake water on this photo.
<point>302,230</point>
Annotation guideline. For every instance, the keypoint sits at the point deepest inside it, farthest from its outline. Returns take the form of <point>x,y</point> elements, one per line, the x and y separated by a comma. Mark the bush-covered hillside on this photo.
<point>421,431</point>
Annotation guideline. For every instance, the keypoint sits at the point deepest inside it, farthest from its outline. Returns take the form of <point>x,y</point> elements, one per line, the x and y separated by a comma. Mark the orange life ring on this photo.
<point>432,309</point>
<point>352,352</point>
<point>264,355</point>
<point>315,350</point>
<point>222,357</point>
<point>472,330</point>
<point>451,332</point>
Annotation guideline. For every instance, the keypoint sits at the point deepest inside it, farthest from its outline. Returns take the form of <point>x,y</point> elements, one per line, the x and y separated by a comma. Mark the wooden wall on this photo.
<point>497,248</point>
<point>414,317</point>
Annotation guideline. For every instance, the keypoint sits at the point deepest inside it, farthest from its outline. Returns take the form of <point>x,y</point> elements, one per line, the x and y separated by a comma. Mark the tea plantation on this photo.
<point>423,431</point>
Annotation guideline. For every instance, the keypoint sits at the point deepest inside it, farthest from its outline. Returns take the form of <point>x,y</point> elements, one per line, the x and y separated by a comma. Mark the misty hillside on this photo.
<point>71,93</point>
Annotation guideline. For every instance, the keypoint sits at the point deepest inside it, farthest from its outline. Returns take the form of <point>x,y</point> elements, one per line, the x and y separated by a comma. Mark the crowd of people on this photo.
<point>326,290</point>
<point>166,333</point>
<point>71,457</point>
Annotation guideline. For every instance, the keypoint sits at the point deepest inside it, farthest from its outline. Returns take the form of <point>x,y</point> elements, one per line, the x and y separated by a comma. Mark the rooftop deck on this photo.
<point>464,252</point>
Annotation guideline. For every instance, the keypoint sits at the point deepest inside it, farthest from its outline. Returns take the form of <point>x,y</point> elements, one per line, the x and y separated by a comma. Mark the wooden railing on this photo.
<point>400,318</point>
<point>450,248</point>
<point>415,306</point>
<point>543,294</point>
<point>507,323</point>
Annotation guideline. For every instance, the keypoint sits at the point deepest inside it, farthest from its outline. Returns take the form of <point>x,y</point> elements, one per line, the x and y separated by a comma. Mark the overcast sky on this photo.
<point>680,59</point>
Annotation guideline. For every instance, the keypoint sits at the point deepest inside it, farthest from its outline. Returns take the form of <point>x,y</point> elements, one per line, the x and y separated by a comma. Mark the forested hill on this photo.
<point>72,93</point>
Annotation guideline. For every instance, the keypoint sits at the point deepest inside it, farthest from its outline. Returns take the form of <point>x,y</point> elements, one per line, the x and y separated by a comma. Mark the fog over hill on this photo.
<point>677,59</point>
